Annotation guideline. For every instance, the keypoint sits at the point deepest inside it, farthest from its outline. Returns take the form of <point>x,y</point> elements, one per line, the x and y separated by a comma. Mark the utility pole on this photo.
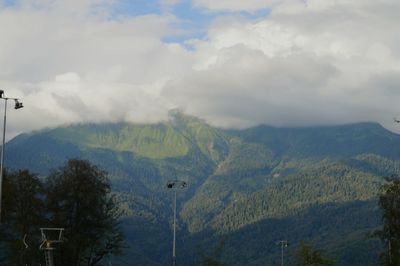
<point>175,184</point>
<point>18,105</point>
<point>284,244</point>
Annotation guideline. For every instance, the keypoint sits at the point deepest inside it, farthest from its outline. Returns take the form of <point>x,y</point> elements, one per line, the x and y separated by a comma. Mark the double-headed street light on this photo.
<point>175,185</point>
<point>284,244</point>
<point>18,105</point>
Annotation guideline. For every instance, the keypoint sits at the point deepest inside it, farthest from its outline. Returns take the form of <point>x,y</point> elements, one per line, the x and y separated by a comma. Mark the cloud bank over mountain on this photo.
<point>298,63</point>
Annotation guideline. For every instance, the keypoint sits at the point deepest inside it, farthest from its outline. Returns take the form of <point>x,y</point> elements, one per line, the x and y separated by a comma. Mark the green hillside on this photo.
<point>247,188</point>
<point>330,141</point>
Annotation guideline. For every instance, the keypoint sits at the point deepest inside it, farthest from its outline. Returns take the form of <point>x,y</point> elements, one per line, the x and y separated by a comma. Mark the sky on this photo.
<point>233,63</point>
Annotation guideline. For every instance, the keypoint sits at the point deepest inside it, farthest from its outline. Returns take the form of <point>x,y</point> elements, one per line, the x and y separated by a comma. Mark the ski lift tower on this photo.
<point>50,236</point>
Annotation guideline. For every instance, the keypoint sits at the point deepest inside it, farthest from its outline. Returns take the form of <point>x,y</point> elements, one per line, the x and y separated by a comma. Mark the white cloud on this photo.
<point>85,67</point>
<point>169,2</point>
<point>320,63</point>
<point>306,63</point>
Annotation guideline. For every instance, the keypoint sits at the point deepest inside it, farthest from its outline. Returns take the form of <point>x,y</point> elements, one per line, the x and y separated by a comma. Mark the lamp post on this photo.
<point>284,244</point>
<point>18,105</point>
<point>175,185</point>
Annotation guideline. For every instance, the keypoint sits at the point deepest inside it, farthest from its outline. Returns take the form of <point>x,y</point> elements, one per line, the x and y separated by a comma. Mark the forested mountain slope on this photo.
<point>247,188</point>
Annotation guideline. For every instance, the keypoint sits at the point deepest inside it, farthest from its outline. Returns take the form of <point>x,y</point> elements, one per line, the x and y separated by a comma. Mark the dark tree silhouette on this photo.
<point>80,200</point>
<point>23,214</point>
<point>389,202</point>
<point>308,256</point>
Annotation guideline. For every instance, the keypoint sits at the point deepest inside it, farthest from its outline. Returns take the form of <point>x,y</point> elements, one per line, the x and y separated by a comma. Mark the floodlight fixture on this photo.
<point>18,104</point>
<point>176,184</point>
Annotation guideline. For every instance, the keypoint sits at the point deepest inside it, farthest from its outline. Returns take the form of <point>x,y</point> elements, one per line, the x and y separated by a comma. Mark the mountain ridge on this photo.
<point>237,179</point>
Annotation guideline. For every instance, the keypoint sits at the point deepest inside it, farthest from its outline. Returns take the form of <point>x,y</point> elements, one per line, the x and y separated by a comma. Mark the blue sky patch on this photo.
<point>136,8</point>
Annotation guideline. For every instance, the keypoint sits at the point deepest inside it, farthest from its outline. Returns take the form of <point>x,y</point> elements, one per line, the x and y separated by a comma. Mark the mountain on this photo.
<point>247,188</point>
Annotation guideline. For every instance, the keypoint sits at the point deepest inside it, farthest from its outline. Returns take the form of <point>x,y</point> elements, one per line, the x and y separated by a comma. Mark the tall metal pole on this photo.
<point>2,155</point>
<point>174,240</point>
<point>18,105</point>
<point>175,184</point>
<point>48,256</point>
<point>284,244</point>
<point>390,248</point>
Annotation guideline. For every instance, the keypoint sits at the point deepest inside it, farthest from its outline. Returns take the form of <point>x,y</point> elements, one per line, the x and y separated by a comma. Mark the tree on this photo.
<point>79,199</point>
<point>308,256</point>
<point>23,214</point>
<point>389,202</point>
<point>211,259</point>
